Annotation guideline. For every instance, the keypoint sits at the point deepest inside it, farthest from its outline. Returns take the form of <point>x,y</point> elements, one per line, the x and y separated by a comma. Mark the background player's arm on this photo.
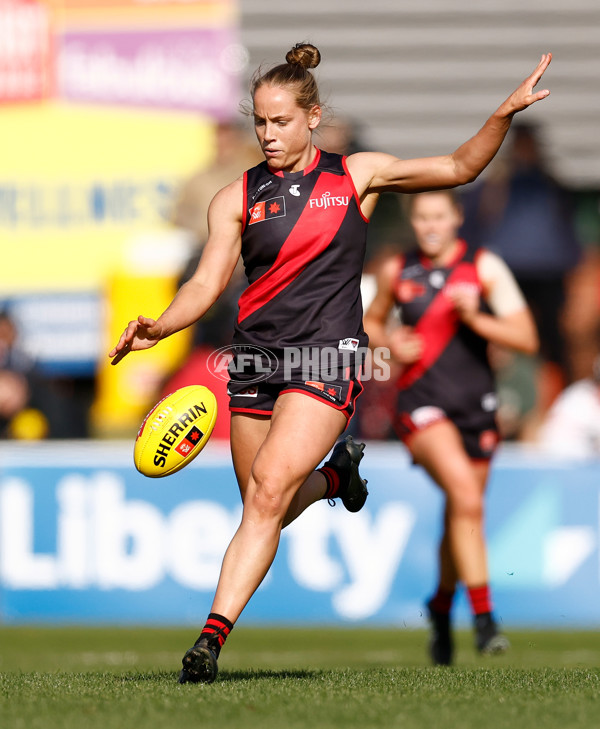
<point>511,323</point>
<point>376,317</point>
<point>196,296</point>
<point>405,346</point>
<point>373,172</point>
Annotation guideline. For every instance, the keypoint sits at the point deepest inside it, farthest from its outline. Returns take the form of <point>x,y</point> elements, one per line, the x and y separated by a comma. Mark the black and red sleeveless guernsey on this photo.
<point>303,246</point>
<point>453,378</point>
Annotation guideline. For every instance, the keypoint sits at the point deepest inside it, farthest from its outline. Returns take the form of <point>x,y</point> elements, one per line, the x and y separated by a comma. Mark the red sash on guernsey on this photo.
<point>437,326</point>
<point>295,254</point>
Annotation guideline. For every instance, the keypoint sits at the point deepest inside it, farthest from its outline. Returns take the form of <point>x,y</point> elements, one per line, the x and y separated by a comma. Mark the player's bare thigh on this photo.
<point>289,446</point>
<point>440,450</point>
<point>248,432</point>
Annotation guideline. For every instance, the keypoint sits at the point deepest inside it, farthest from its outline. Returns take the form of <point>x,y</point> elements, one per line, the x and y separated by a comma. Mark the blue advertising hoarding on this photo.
<point>84,538</point>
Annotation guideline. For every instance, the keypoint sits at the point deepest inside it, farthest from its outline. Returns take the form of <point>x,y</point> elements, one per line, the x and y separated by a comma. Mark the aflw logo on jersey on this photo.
<point>267,209</point>
<point>327,200</point>
<point>349,343</point>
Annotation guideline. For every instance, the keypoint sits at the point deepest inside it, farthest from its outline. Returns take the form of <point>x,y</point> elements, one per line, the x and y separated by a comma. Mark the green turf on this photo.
<point>287,679</point>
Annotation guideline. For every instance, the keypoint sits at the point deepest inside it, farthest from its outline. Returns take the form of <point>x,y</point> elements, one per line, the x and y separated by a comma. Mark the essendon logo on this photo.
<point>191,439</point>
<point>267,209</point>
<point>488,440</point>
<point>332,391</point>
<point>407,290</point>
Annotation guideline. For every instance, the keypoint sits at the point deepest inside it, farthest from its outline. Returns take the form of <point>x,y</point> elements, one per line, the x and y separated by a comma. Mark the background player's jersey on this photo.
<point>453,372</point>
<point>303,245</point>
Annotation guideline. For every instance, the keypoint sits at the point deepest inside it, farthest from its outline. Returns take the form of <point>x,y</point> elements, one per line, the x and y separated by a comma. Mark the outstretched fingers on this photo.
<point>535,77</point>
<point>139,334</point>
<point>541,67</point>
<point>123,346</point>
<point>525,95</point>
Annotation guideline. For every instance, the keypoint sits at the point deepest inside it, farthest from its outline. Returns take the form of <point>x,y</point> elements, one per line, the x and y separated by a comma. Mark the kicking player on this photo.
<point>299,221</point>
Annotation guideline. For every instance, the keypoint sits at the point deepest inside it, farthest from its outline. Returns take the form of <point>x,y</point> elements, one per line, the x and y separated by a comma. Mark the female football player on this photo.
<point>452,300</point>
<point>299,221</point>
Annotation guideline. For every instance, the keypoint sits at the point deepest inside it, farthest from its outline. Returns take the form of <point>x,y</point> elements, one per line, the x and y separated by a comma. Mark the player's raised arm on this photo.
<point>212,275</point>
<point>374,172</point>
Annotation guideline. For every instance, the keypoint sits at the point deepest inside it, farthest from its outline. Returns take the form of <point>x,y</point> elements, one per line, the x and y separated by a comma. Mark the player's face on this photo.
<point>283,129</point>
<point>435,220</point>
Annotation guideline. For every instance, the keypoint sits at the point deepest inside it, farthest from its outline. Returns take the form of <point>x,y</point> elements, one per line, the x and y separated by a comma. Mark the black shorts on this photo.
<point>260,397</point>
<point>478,431</point>
<point>258,376</point>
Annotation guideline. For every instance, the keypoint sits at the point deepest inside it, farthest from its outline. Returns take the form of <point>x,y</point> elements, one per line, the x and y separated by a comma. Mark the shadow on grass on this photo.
<point>224,676</point>
<point>252,674</point>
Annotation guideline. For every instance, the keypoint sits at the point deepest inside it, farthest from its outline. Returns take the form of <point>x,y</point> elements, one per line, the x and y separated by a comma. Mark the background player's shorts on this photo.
<point>479,435</point>
<point>260,397</point>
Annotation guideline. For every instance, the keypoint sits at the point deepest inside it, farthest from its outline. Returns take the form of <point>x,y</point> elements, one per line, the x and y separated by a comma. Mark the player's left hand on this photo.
<point>525,95</point>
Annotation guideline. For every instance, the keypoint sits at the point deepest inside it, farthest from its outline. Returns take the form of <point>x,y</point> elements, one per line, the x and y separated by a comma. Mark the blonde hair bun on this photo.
<point>303,54</point>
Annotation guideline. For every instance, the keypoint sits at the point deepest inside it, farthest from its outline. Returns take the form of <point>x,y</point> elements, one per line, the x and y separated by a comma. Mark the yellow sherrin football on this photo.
<point>175,431</point>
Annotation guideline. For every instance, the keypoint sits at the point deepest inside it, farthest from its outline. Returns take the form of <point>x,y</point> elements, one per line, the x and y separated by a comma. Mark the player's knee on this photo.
<point>466,504</point>
<point>267,495</point>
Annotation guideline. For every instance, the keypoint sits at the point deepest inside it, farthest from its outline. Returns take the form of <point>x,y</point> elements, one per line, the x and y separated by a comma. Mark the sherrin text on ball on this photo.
<point>175,431</point>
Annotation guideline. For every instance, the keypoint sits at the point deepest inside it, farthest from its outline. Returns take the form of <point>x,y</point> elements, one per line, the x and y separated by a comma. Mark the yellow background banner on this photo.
<point>143,13</point>
<point>76,183</point>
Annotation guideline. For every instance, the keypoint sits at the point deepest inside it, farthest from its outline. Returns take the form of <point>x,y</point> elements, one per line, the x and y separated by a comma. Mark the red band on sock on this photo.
<point>217,624</point>
<point>480,598</point>
<point>333,481</point>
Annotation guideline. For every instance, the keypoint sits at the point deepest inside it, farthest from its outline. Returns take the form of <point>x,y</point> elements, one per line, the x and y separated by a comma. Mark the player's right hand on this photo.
<point>405,345</point>
<point>141,333</point>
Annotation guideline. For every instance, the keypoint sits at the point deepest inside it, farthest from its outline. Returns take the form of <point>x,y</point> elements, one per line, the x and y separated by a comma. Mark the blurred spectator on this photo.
<point>17,387</point>
<point>522,213</point>
<point>388,227</point>
<point>572,425</point>
<point>582,311</point>
<point>339,135</point>
<point>34,405</point>
<point>235,151</point>
<point>66,402</point>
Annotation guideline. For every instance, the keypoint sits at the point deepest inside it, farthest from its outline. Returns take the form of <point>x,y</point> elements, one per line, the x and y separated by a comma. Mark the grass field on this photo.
<point>292,679</point>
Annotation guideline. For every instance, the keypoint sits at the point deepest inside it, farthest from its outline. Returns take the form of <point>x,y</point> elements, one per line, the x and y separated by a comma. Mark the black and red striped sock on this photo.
<point>441,602</point>
<point>480,599</point>
<point>333,481</point>
<point>216,627</point>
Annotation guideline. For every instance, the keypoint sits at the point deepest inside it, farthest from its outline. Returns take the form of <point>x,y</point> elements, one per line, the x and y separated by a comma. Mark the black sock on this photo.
<point>332,477</point>
<point>216,629</point>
